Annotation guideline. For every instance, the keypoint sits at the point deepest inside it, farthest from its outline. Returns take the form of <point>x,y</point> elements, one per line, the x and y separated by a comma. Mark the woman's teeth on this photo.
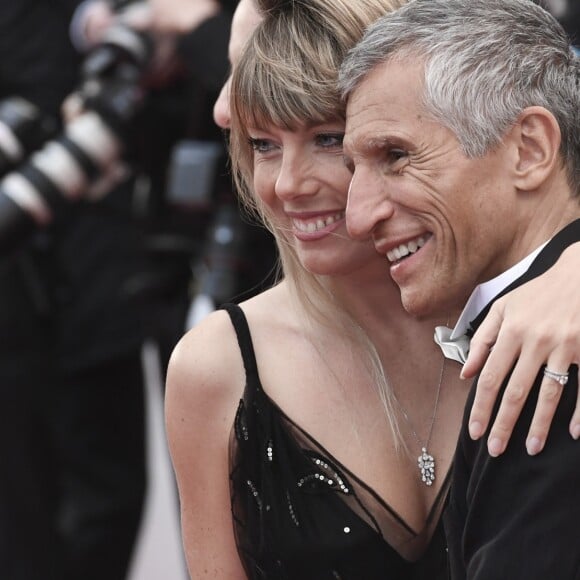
<point>310,227</point>
<point>405,250</point>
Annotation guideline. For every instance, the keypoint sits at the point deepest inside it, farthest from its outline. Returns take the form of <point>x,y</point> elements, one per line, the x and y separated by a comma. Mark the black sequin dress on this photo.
<point>301,515</point>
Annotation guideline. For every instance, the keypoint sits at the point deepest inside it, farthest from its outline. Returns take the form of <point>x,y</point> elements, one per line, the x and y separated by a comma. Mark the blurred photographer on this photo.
<point>71,385</point>
<point>202,248</point>
<point>239,257</point>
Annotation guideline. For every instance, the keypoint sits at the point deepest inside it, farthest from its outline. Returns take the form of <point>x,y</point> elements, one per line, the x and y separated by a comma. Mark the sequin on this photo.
<point>255,493</point>
<point>291,510</point>
<point>240,424</point>
<point>270,451</point>
<point>327,474</point>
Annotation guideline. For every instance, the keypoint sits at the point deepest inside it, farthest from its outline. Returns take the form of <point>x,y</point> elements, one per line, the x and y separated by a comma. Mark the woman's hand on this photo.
<point>536,324</point>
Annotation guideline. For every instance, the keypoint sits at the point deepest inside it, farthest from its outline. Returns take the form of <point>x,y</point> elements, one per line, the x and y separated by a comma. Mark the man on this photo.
<point>462,134</point>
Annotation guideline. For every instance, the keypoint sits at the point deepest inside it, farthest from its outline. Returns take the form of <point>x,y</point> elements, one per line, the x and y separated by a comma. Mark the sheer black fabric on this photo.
<point>299,514</point>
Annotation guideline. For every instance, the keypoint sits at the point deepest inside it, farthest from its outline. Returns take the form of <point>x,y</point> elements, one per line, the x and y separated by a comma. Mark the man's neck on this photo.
<point>484,293</point>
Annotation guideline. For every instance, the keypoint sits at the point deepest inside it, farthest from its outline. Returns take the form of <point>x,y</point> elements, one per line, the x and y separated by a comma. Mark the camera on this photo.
<point>23,128</point>
<point>67,165</point>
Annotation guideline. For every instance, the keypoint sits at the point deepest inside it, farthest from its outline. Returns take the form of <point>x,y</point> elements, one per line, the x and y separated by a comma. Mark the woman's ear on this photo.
<point>537,138</point>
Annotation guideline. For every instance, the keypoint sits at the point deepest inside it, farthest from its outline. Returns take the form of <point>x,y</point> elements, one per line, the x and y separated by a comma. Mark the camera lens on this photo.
<point>23,128</point>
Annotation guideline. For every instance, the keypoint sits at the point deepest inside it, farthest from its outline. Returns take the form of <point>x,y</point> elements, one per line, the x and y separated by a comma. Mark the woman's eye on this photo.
<point>330,140</point>
<point>260,145</point>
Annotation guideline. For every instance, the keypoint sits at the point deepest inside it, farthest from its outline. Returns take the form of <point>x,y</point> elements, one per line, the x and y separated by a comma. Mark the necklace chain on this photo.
<point>425,461</point>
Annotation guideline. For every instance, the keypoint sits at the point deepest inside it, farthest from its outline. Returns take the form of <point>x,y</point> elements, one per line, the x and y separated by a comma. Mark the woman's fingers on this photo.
<point>494,363</point>
<point>483,341</point>
<point>512,400</point>
<point>575,422</point>
<point>550,393</point>
<point>502,345</point>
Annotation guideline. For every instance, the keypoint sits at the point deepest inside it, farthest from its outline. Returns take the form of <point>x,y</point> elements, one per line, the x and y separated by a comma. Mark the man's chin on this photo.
<point>420,304</point>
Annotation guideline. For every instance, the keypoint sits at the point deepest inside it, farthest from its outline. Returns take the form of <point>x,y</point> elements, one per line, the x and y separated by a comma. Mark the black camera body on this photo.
<point>23,129</point>
<point>89,146</point>
<point>112,72</point>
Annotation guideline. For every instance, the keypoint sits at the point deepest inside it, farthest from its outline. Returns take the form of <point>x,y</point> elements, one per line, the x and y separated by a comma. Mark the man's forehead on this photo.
<point>382,108</point>
<point>397,79</point>
<point>372,126</point>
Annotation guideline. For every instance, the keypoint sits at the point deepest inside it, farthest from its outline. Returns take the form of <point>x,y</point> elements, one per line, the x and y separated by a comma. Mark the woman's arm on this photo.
<point>536,324</point>
<point>205,380</point>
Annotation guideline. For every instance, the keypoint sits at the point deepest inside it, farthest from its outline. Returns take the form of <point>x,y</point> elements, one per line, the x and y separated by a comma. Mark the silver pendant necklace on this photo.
<point>425,461</point>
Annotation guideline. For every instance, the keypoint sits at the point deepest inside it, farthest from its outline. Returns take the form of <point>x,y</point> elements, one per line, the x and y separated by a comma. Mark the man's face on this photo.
<point>445,222</point>
<point>245,20</point>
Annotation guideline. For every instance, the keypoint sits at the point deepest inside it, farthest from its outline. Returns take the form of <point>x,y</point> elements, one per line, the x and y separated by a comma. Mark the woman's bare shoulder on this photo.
<point>205,381</point>
<point>206,366</point>
<point>206,362</point>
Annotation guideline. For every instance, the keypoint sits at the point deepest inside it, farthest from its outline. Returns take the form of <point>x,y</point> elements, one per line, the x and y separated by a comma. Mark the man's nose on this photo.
<point>367,206</point>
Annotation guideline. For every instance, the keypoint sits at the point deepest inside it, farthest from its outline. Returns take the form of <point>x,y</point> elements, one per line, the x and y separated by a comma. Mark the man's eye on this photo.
<point>394,155</point>
<point>260,145</point>
<point>330,140</point>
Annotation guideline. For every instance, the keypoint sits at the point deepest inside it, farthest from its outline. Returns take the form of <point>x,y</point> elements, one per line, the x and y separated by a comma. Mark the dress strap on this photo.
<point>242,329</point>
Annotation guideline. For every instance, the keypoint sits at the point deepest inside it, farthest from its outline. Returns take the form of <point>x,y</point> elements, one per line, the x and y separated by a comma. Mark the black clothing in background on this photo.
<point>516,516</point>
<point>72,453</point>
<point>205,49</point>
<point>568,13</point>
<point>184,112</point>
<point>33,64</point>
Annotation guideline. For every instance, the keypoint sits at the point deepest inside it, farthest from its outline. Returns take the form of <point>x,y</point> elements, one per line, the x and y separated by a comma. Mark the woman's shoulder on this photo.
<point>206,361</point>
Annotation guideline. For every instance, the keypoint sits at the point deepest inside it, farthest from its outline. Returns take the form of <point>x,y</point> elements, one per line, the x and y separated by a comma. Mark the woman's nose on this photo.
<point>294,179</point>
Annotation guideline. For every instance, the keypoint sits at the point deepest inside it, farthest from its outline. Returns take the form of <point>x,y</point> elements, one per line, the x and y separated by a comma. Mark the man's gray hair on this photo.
<point>485,61</point>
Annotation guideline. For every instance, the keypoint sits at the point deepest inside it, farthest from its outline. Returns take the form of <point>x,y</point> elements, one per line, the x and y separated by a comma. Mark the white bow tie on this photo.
<point>454,349</point>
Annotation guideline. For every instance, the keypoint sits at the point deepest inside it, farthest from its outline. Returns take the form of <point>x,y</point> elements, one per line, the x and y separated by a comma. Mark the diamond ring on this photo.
<point>561,378</point>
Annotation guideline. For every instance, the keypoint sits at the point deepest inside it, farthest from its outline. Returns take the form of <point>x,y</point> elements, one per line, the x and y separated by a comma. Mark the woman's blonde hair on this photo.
<point>287,76</point>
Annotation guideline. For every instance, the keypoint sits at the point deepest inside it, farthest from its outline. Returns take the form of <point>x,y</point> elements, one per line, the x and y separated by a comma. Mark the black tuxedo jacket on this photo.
<point>518,517</point>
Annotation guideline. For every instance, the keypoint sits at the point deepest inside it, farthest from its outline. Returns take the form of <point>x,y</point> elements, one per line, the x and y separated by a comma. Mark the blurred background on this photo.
<point>119,230</point>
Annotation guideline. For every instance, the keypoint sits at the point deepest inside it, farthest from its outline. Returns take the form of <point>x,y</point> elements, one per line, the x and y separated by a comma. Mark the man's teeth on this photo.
<point>310,227</point>
<point>405,249</point>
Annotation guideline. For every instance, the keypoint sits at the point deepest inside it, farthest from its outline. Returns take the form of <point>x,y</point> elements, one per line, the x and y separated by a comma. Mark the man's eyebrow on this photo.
<point>366,145</point>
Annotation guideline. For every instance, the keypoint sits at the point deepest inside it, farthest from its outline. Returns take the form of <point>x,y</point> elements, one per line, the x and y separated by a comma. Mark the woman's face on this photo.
<point>302,182</point>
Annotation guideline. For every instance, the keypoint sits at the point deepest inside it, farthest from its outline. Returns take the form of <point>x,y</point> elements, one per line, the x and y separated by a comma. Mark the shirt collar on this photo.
<point>487,291</point>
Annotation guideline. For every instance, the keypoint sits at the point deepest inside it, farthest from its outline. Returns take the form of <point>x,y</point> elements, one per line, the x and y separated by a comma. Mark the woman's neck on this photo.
<point>373,300</point>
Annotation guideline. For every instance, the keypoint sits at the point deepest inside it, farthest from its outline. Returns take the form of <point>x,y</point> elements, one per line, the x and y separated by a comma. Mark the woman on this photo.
<point>321,446</point>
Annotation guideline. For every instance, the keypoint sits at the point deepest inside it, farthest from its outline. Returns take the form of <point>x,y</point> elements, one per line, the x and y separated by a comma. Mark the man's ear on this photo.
<point>537,138</point>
